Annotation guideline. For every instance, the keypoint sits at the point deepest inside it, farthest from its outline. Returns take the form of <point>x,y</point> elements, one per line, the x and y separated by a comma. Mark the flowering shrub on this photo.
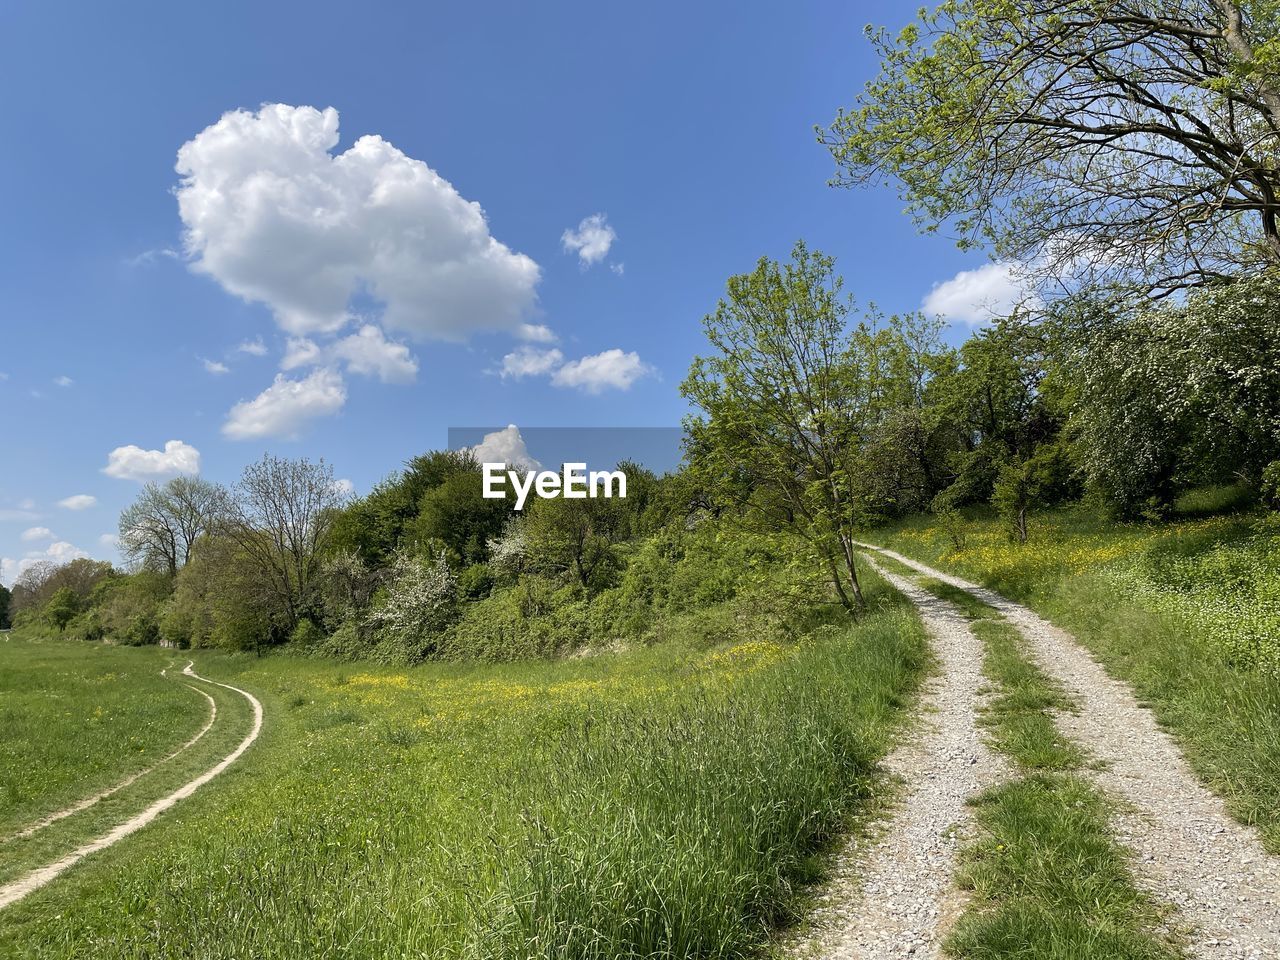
<point>419,603</point>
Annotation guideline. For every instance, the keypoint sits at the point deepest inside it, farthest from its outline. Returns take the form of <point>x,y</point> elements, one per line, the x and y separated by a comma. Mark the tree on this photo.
<point>790,399</point>
<point>573,537</point>
<point>281,513</point>
<point>159,529</point>
<point>221,598</point>
<point>5,597</point>
<point>1135,140</point>
<point>419,603</point>
<point>1180,394</point>
<point>375,526</point>
<point>455,512</point>
<point>62,607</point>
<point>1039,480</point>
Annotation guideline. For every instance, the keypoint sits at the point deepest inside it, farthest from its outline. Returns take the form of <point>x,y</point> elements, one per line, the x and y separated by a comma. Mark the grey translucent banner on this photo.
<point>659,449</point>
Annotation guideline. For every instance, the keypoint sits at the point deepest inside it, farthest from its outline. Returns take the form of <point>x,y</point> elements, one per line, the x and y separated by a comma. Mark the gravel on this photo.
<point>1189,852</point>
<point>891,892</point>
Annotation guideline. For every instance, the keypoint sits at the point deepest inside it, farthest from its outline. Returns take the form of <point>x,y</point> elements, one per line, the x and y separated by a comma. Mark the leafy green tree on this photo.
<point>997,403</point>
<point>221,600</point>
<point>456,513</point>
<point>5,596</point>
<point>575,538</point>
<point>62,607</point>
<point>790,399</point>
<point>1046,478</point>
<point>387,519</point>
<point>1134,140</point>
<point>128,608</point>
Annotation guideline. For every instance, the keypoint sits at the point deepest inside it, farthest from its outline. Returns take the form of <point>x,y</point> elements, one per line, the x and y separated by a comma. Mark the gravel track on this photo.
<point>891,893</point>
<point>13,892</point>
<point>1189,852</point>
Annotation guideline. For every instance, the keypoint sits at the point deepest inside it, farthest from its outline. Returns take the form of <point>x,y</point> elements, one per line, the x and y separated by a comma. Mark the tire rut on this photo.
<point>13,892</point>
<point>892,892</point>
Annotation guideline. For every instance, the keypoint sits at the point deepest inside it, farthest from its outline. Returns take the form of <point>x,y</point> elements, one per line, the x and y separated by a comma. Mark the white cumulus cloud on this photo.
<point>531,362</point>
<point>367,352</point>
<point>505,446</point>
<point>591,240</point>
<point>37,533</point>
<point>610,369</point>
<point>285,407</point>
<point>134,463</point>
<point>216,367</point>
<point>58,552</point>
<point>80,501</point>
<point>276,217</point>
<point>255,348</point>
<point>978,296</point>
<point>536,333</point>
<point>301,352</point>
<point>344,487</point>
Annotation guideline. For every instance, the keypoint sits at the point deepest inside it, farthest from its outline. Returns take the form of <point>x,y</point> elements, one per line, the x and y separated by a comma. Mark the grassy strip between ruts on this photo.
<point>661,803</point>
<point>1048,879</point>
<point>1183,662</point>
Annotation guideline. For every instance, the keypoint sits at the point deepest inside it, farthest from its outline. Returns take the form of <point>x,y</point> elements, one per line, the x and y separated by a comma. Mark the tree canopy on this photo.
<point>1129,140</point>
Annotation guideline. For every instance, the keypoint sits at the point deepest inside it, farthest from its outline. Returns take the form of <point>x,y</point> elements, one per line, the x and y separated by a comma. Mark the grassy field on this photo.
<point>669,801</point>
<point>77,718</point>
<point>1187,612</point>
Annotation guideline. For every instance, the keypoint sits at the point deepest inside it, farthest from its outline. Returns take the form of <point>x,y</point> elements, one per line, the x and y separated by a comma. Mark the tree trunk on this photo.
<point>846,544</point>
<point>1238,43</point>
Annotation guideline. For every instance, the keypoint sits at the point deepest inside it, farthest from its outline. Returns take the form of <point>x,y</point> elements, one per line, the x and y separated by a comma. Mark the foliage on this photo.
<point>159,529</point>
<point>281,515</point>
<point>62,607</point>
<point>573,538</point>
<point>792,399</point>
<point>1182,394</point>
<point>419,601</point>
<point>457,514</point>
<point>219,601</point>
<point>1043,479</point>
<point>1271,484</point>
<point>1131,141</point>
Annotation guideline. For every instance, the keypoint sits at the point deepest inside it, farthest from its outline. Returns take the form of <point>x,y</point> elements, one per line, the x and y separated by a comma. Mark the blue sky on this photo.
<point>130,288</point>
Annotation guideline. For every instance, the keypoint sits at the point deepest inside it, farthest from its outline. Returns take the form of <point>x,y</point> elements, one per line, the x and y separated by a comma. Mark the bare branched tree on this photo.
<point>159,529</point>
<point>281,515</point>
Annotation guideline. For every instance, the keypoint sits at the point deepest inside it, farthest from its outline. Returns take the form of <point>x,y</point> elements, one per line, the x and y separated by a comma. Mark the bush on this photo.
<point>306,635</point>
<point>1271,484</point>
<point>476,581</point>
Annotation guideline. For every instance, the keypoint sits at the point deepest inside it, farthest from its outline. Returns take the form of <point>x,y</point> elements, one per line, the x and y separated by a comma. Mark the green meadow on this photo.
<point>667,801</point>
